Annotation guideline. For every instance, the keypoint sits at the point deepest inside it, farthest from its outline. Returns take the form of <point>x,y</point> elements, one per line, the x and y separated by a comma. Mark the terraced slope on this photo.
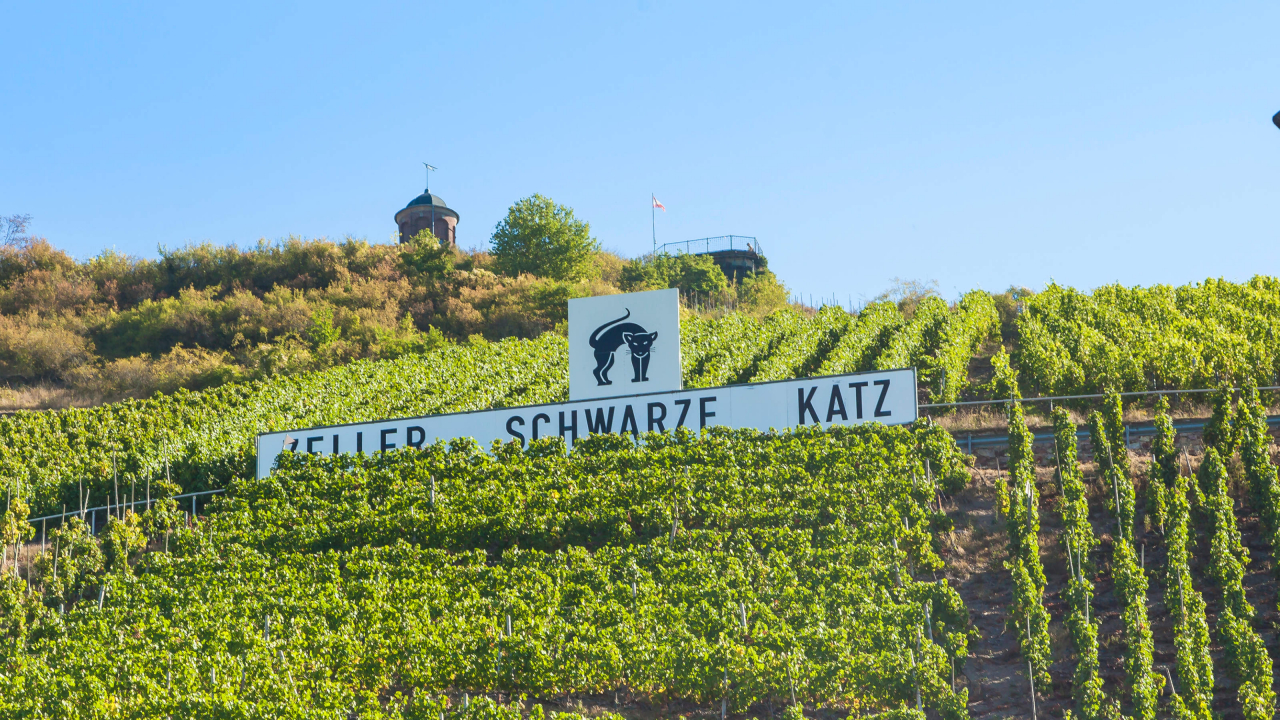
<point>740,567</point>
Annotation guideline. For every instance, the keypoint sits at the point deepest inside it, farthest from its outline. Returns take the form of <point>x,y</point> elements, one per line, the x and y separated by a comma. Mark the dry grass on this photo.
<point>47,396</point>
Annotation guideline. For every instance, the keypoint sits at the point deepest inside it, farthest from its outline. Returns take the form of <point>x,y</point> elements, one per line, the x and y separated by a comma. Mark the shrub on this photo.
<point>32,349</point>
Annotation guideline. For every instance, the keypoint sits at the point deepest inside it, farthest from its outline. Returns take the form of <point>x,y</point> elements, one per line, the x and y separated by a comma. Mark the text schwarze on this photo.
<point>888,397</point>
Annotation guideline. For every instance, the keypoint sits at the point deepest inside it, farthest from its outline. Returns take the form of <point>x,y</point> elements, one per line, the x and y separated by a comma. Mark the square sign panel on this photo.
<point>624,344</point>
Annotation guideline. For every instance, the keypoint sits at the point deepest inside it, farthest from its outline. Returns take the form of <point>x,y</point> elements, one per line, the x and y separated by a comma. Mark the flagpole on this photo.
<point>653,224</point>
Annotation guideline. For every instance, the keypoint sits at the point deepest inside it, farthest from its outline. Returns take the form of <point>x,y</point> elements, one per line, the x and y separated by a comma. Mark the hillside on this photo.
<point>739,566</point>
<point>78,333</point>
<point>820,573</point>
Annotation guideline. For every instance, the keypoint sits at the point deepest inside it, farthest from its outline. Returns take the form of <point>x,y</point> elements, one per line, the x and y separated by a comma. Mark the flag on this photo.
<point>658,205</point>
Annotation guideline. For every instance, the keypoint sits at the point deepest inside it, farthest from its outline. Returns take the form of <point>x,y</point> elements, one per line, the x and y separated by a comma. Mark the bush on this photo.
<point>762,292</point>
<point>690,273</point>
<point>117,326</point>
<point>32,349</point>
<point>426,257</point>
<point>194,369</point>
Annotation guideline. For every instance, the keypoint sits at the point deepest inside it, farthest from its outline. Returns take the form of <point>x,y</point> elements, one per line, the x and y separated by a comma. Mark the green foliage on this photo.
<point>908,295</point>
<point>1019,504</point>
<point>1164,471</point>
<point>961,334</point>
<point>689,272</point>
<point>1122,493</point>
<point>1010,304</point>
<point>378,583</point>
<point>1131,587</point>
<point>163,515</point>
<point>702,282</point>
<point>799,353</point>
<point>1106,434</point>
<point>1079,541</point>
<point>210,435</point>
<point>1186,605</point>
<point>1228,556</point>
<point>1078,538</point>
<point>211,432</point>
<point>1260,472</point>
<point>407,340</point>
<point>908,347</point>
<point>1030,620</point>
<point>1102,454</point>
<point>203,315</point>
<point>1113,417</point>
<point>1211,478</point>
<point>1255,451</point>
<point>946,465</point>
<point>322,333</point>
<point>1107,430</point>
<point>1250,664</point>
<point>293,262</point>
<point>1220,431</point>
<point>73,564</point>
<point>1247,659</point>
<point>14,527</point>
<point>542,238</point>
<point>120,541</point>
<point>761,291</point>
<point>866,337</point>
<point>1022,514</point>
<point>1126,339</point>
<point>754,342</point>
<point>386,580</point>
<point>426,257</point>
<point>1004,379</point>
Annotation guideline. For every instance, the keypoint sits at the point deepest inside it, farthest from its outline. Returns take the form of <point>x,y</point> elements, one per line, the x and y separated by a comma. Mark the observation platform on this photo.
<point>737,255</point>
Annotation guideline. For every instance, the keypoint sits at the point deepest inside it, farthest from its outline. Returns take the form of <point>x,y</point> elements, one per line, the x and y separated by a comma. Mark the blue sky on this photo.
<point>977,145</point>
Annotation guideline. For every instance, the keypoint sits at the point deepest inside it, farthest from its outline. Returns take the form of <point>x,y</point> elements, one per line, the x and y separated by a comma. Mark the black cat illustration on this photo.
<point>610,336</point>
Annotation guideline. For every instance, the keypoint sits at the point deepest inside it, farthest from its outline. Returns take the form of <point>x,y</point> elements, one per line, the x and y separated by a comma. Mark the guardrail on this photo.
<point>1131,430</point>
<point>1051,398</point>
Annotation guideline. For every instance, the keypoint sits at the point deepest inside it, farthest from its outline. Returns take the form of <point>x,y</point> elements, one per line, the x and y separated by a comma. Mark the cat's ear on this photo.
<point>653,336</point>
<point>626,337</point>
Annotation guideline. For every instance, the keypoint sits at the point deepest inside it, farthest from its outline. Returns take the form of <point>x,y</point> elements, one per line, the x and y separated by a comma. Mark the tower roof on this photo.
<point>426,199</point>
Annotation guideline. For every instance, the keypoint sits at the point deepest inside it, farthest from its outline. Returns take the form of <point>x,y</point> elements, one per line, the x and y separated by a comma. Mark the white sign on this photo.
<point>624,344</point>
<point>887,397</point>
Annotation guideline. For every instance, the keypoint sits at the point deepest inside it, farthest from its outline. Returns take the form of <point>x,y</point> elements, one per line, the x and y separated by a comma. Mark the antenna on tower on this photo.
<point>429,169</point>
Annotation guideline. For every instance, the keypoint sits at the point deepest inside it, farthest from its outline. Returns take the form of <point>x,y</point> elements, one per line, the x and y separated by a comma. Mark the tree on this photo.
<point>908,294</point>
<point>13,230</point>
<point>542,238</point>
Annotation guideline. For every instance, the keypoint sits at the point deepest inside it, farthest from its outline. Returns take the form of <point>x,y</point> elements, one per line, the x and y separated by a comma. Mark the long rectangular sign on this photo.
<point>887,397</point>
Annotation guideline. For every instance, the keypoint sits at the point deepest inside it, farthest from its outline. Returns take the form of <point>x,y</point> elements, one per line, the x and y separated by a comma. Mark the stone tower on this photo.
<point>428,212</point>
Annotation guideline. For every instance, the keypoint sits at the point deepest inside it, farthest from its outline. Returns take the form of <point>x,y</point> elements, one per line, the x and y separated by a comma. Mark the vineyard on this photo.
<point>1125,339</point>
<point>735,568</point>
<point>850,572</point>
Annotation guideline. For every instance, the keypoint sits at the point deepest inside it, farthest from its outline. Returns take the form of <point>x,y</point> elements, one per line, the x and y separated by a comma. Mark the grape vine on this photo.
<point>1019,504</point>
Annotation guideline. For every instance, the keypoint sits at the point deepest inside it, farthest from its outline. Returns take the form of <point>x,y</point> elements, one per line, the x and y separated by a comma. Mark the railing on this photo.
<point>1138,429</point>
<point>713,244</point>
<point>1131,430</point>
<point>91,514</point>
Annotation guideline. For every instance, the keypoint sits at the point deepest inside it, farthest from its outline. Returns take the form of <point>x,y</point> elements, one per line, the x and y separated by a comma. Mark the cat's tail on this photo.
<point>596,335</point>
